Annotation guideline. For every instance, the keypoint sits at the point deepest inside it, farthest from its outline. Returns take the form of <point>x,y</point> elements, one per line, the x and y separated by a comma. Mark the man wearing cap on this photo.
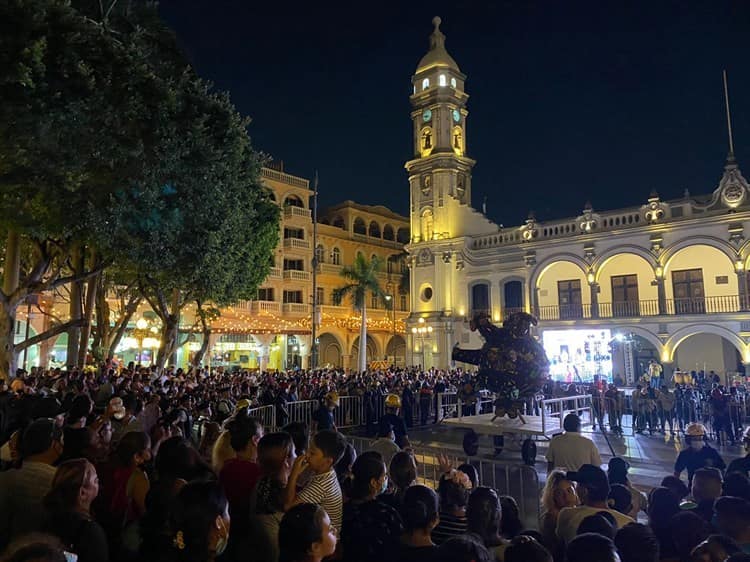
<point>22,489</point>
<point>593,490</point>
<point>571,450</point>
<point>385,444</point>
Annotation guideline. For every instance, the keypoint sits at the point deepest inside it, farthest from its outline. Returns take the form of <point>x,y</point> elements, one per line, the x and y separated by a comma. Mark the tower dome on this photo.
<point>437,56</point>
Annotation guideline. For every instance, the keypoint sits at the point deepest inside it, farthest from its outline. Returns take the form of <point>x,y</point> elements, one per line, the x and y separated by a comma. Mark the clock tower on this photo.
<point>440,172</point>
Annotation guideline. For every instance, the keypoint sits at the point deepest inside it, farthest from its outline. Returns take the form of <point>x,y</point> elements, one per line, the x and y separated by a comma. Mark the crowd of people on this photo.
<point>102,465</point>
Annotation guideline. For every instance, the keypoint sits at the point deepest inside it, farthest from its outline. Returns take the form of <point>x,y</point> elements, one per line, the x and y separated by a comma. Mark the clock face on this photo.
<point>426,115</point>
<point>456,115</point>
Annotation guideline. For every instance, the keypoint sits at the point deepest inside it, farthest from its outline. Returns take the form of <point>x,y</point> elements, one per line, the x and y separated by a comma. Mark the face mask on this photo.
<point>697,445</point>
<point>384,486</point>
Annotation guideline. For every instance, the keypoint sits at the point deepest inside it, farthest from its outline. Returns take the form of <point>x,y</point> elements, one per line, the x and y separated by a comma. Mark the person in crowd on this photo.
<point>385,444</point>
<point>593,490</point>
<point>23,489</point>
<point>698,453</point>
<point>300,436</point>
<point>620,499</point>
<point>323,417</point>
<point>733,520</point>
<point>742,464</point>
<point>617,472</point>
<point>662,506</point>
<point>511,524</point>
<point>665,400</point>
<point>37,547</point>
<point>558,493</point>
<point>601,523</point>
<point>736,484</point>
<point>125,412</point>
<point>370,529</point>
<point>420,515</point>
<point>706,490</point>
<point>613,402</point>
<point>637,543</point>
<point>716,548</point>
<point>676,486</point>
<point>591,547</point>
<point>275,457</point>
<point>392,405</point>
<point>453,488</point>
<point>471,471</point>
<point>402,474</point>
<point>463,548</point>
<point>68,507</point>
<point>240,475</point>
<point>571,450</point>
<point>688,531</point>
<point>483,517</point>
<point>306,534</point>
<point>323,488</point>
<point>524,548</point>
<point>201,522</point>
<point>343,468</point>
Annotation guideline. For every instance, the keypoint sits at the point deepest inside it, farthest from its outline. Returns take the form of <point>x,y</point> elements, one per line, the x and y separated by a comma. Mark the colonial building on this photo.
<point>611,288</point>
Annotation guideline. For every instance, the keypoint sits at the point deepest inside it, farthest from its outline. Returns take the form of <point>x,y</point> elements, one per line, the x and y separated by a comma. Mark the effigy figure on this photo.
<point>512,364</point>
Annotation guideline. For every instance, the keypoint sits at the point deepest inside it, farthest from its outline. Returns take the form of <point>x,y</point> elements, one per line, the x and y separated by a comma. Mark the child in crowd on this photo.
<point>323,488</point>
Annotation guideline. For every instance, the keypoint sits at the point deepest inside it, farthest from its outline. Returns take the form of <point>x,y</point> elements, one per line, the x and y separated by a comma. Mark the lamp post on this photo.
<point>391,304</point>
<point>421,332</point>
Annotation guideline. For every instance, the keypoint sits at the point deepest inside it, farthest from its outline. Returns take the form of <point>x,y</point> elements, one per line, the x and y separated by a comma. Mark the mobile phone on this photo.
<point>70,557</point>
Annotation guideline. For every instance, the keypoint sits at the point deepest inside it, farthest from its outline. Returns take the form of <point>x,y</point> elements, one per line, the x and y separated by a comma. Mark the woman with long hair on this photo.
<point>558,493</point>
<point>403,474</point>
<point>371,529</point>
<point>421,514</point>
<point>200,522</point>
<point>484,516</point>
<point>68,507</point>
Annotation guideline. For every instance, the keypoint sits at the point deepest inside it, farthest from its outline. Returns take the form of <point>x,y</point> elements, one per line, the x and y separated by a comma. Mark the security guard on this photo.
<point>392,406</point>
<point>698,453</point>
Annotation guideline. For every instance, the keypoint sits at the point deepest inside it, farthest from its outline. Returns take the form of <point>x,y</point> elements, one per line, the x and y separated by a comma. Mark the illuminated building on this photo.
<point>611,288</point>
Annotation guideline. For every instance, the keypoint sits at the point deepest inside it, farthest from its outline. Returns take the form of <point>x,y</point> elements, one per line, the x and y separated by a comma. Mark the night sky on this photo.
<point>569,100</point>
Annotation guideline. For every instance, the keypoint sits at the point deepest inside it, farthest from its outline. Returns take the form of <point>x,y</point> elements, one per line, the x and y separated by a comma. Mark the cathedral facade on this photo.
<point>612,289</point>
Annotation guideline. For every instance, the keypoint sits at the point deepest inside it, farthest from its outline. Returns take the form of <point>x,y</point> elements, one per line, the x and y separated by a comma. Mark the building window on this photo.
<point>321,296</point>
<point>512,297</point>
<point>425,83</point>
<point>402,302</point>
<point>373,300</point>
<point>625,295</point>
<point>292,297</point>
<point>336,256</point>
<point>297,233</point>
<point>689,295</point>
<point>320,254</point>
<point>480,299</point>
<point>294,265</point>
<point>359,226</point>
<point>443,81</point>
<point>569,299</point>
<point>453,83</point>
<point>293,201</point>
<point>265,294</point>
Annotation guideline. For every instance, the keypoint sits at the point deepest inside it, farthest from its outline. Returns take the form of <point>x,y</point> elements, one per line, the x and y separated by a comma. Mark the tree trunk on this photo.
<point>76,295</point>
<point>363,340</point>
<point>118,332</point>
<point>11,275</point>
<point>92,286</point>
<point>206,332</point>
<point>169,335</point>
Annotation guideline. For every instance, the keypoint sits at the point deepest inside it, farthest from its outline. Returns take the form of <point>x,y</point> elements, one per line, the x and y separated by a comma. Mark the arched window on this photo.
<point>480,298</point>
<point>336,256</point>
<point>373,257</point>
<point>374,230</point>
<point>513,296</point>
<point>293,201</point>
<point>360,255</point>
<point>442,81</point>
<point>428,224</point>
<point>320,253</point>
<point>388,232</point>
<point>453,83</point>
<point>402,236</point>
<point>425,83</point>
<point>359,226</point>
<point>338,222</point>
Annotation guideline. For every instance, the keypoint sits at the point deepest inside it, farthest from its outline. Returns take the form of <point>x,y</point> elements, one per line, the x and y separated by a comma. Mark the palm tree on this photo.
<point>362,279</point>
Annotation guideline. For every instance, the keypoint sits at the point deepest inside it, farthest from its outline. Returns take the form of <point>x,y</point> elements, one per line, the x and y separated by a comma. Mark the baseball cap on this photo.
<point>118,409</point>
<point>590,476</point>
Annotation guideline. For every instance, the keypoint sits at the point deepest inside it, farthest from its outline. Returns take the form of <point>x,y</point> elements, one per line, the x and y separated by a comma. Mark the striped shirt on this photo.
<point>324,489</point>
<point>449,526</point>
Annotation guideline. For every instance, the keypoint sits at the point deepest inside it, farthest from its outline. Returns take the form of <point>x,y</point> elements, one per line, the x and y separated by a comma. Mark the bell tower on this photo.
<point>440,172</point>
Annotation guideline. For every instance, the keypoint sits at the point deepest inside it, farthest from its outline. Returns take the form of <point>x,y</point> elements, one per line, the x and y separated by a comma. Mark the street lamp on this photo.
<point>392,305</point>
<point>421,332</point>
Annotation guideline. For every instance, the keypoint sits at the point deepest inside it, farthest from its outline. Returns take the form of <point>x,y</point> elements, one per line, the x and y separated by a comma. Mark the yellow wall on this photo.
<point>713,262</point>
<point>560,271</point>
<point>627,264</point>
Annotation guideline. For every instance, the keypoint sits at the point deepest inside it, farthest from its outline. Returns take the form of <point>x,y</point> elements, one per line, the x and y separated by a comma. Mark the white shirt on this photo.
<point>571,450</point>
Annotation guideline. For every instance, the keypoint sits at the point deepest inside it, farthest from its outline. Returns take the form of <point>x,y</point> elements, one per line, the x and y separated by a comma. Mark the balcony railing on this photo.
<point>635,309</point>
<point>274,273</point>
<point>296,308</point>
<point>265,306</point>
<point>296,243</point>
<point>295,275</point>
<point>330,268</point>
<point>291,211</point>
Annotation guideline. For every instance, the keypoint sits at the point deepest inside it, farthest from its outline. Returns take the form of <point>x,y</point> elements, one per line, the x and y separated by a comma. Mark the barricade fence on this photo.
<point>519,481</point>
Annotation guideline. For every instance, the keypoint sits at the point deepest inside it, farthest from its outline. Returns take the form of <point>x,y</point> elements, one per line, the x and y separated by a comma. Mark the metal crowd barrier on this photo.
<point>266,415</point>
<point>519,481</point>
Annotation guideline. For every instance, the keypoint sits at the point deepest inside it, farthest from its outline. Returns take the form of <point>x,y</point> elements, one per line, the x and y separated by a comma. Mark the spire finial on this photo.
<point>730,156</point>
<point>437,39</point>
<point>436,21</point>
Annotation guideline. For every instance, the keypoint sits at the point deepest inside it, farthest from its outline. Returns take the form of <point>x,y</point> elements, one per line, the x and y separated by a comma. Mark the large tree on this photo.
<point>362,277</point>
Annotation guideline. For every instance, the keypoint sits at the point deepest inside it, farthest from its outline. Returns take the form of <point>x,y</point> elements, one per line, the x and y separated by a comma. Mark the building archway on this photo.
<point>562,290</point>
<point>679,337</point>
<point>707,347</point>
<point>625,286</point>
<point>396,349</point>
<point>700,279</point>
<point>371,348</point>
<point>329,350</point>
